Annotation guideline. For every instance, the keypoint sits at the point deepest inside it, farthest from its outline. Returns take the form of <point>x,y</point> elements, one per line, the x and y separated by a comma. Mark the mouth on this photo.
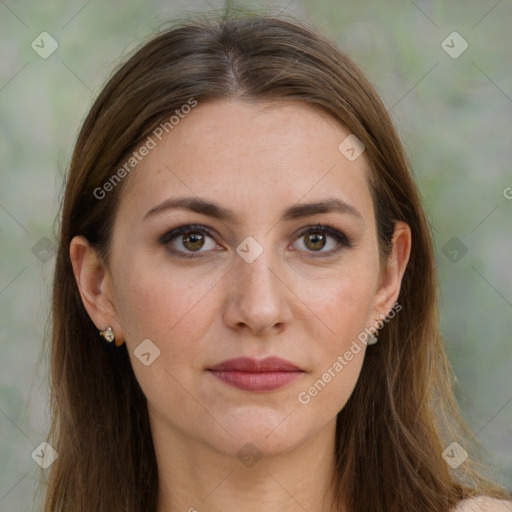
<point>249,374</point>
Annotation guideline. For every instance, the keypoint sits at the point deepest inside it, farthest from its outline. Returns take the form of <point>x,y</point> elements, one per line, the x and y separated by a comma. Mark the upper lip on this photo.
<point>247,364</point>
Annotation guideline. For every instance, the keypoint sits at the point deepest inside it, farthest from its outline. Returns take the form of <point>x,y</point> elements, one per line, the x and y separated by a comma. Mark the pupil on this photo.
<point>193,239</point>
<point>318,238</point>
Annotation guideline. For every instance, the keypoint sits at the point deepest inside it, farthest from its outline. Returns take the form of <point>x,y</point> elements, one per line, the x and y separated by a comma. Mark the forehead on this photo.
<point>255,155</point>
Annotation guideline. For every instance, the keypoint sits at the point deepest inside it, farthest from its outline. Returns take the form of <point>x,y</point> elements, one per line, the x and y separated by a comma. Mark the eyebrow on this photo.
<point>297,211</point>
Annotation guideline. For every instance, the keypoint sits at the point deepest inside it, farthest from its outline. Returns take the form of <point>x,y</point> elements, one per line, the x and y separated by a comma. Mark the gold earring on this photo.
<point>108,334</point>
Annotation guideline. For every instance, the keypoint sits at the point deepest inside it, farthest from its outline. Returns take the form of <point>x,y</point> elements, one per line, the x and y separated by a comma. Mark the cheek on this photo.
<point>340,304</point>
<point>329,389</point>
<point>174,311</point>
<point>349,310</point>
<point>344,307</point>
<point>159,303</point>
<point>339,358</point>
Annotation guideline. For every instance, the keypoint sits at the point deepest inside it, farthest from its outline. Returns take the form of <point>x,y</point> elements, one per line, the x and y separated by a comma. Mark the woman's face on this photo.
<point>258,281</point>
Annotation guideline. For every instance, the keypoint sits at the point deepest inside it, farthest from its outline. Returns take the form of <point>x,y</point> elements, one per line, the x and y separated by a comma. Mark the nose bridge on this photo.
<point>256,268</point>
<point>258,297</point>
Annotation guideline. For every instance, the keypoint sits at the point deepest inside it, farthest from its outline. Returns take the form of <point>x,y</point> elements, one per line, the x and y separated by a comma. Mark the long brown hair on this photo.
<point>401,415</point>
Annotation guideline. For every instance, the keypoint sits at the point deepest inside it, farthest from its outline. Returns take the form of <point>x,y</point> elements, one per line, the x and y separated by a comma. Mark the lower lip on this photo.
<point>257,381</point>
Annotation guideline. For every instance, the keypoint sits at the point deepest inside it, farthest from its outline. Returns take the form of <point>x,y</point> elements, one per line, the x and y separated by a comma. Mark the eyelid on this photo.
<point>185,228</point>
<point>173,233</point>
<point>343,241</point>
<point>340,236</point>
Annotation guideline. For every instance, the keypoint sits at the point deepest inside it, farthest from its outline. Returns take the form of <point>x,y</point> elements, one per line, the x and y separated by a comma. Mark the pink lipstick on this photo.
<point>252,375</point>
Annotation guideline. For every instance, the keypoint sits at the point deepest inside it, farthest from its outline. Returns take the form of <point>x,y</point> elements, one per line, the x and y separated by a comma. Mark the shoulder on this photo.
<point>484,504</point>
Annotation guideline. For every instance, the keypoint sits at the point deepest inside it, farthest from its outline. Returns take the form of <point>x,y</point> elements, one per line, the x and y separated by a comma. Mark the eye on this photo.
<point>192,238</point>
<point>316,238</point>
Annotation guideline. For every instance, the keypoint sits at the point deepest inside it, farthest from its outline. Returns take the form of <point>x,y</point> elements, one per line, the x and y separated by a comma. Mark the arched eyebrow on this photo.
<point>212,209</point>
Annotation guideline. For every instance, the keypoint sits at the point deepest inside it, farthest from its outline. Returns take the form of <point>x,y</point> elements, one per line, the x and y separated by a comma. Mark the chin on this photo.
<point>269,433</point>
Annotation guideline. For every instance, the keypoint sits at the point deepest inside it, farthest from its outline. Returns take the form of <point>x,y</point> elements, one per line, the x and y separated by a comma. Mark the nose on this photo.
<point>258,297</point>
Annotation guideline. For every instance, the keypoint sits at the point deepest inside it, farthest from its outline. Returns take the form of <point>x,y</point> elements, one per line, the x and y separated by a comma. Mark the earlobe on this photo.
<point>391,276</point>
<point>94,284</point>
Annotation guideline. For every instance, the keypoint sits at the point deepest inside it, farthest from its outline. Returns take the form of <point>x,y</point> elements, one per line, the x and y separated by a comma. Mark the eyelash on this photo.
<point>343,241</point>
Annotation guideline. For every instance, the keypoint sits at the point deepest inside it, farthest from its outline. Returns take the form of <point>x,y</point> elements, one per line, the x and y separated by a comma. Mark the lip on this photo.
<point>249,374</point>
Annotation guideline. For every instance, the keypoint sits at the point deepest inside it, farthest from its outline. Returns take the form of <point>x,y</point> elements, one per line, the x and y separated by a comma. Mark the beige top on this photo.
<point>484,504</point>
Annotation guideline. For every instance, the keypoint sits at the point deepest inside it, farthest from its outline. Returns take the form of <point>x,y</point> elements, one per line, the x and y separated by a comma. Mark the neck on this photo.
<point>195,477</point>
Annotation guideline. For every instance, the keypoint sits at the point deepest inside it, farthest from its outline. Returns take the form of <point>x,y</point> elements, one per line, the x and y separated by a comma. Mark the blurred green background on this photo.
<point>454,113</point>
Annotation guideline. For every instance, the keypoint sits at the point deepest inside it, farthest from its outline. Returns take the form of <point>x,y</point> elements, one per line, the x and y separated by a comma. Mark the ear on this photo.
<point>391,276</point>
<point>95,286</point>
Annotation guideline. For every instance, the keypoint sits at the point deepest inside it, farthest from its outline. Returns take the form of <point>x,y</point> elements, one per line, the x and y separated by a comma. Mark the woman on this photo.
<point>244,310</point>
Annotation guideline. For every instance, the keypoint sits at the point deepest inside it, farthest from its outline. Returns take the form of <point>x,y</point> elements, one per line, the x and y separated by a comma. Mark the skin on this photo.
<point>292,301</point>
